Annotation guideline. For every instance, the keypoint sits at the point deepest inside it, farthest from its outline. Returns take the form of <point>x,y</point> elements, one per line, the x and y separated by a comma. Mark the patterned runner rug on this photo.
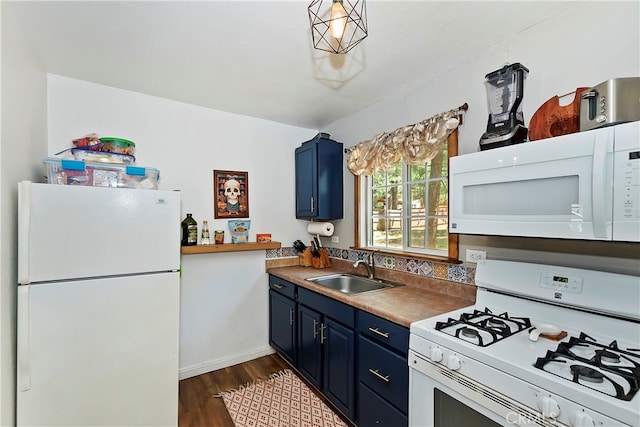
<point>281,401</point>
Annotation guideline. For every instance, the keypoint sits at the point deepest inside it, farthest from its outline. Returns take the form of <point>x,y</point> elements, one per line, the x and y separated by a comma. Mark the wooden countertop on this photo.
<point>419,298</point>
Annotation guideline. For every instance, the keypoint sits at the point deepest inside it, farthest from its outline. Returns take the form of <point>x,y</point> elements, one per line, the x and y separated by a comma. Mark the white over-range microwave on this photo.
<point>584,185</point>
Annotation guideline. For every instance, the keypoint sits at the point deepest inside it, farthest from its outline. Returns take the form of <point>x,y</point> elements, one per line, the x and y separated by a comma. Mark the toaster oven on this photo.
<point>611,102</point>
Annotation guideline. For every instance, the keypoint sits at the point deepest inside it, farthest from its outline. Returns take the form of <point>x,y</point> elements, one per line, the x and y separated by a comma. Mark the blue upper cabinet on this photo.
<point>319,182</point>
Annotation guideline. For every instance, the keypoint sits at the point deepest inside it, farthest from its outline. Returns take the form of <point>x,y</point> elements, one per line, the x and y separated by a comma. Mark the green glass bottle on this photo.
<point>189,231</point>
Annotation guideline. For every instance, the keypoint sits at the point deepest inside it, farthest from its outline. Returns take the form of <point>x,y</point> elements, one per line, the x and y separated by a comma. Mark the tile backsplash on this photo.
<point>440,270</point>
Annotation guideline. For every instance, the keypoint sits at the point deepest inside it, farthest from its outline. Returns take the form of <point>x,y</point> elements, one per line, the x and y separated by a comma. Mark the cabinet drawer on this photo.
<point>329,307</point>
<point>385,372</point>
<point>384,331</point>
<point>282,286</point>
<point>375,411</point>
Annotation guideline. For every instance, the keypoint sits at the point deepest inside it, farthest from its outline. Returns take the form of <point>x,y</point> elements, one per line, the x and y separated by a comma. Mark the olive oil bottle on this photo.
<point>189,231</point>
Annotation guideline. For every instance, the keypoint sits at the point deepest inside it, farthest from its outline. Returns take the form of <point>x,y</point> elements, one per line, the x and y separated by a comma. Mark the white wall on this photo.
<point>224,308</point>
<point>224,298</point>
<point>561,54</point>
<point>22,143</point>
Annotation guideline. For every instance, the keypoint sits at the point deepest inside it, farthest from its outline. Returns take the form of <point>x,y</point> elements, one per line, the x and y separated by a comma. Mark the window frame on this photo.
<point>359,228</point>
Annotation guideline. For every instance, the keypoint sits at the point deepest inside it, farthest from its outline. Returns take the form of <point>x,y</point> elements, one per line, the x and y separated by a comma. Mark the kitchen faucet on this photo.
<point>369,264</point>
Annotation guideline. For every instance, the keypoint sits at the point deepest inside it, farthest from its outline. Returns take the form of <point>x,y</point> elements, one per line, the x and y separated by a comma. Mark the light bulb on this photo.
<point>338,20</point>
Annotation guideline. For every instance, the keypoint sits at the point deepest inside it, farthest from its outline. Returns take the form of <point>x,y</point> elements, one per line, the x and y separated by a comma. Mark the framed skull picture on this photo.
<point>231,190</point>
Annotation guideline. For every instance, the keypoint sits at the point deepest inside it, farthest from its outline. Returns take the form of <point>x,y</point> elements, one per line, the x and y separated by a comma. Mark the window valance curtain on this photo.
<point>416,144</point>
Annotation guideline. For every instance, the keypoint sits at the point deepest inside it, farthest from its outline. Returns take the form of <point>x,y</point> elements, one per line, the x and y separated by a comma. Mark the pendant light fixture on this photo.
<point>337,26</point>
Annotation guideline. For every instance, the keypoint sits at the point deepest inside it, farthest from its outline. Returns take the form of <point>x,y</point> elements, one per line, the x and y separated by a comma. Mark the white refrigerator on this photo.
<point>98,306</point>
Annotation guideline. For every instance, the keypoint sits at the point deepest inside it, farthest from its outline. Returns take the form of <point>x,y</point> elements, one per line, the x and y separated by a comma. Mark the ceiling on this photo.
<point>256,58</point>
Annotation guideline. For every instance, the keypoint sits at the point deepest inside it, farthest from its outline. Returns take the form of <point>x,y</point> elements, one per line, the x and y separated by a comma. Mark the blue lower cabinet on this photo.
<point>282,328</point>
<point>326,348</point>
<point>310,345</point>
<point>357,360</point>
<point>375,411</point>
<point>339,373</point>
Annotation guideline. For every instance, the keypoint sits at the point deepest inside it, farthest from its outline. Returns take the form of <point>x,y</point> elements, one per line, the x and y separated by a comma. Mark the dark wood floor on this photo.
<point>197,406</point>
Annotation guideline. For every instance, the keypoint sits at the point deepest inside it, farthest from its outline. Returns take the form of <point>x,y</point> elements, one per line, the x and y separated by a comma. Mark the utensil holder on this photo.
<point>324,256</point>
<point>306,259</point>
<point>322,261</point>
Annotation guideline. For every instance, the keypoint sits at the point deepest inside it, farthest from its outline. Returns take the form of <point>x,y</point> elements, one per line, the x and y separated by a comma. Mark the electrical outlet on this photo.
<point>335,239</point>
<point>475,255</point>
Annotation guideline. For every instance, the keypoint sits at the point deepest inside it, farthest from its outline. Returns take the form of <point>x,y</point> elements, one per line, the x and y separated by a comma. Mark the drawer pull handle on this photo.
<point>382,334</point>
<point>315,329</point>
<point>291,316</point>
<point>323,337</point>
<point>275,285</point>
<point>382,377</point>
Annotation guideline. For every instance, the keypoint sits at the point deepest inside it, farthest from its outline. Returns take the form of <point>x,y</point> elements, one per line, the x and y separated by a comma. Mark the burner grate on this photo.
<point>600,364</point>
<point>483,327</point>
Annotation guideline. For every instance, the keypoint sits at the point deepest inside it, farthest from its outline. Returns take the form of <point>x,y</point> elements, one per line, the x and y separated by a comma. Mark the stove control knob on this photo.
<point>549,407</point>
<point>453,362</point>
<point>435,354</point>
<point>581,419</point>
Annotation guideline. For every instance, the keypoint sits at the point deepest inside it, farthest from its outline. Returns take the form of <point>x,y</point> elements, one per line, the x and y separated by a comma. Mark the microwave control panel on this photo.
<point>626,196</point>
<point>630,185</point>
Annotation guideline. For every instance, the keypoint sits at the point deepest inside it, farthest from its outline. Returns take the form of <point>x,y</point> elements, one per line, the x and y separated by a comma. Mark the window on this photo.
<point>406,208</point>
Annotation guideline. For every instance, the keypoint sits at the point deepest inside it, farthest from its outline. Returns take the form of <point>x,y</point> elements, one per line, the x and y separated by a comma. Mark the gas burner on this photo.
<point>474,336</point>
<point>495,323</point>
<point>469,333</point>
<point>608,356</point>
<point>483,327</point>
<point>506,324</point>
<point>581,372</point>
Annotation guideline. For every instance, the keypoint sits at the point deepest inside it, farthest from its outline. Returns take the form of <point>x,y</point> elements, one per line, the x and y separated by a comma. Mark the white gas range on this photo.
<point>482,365</point>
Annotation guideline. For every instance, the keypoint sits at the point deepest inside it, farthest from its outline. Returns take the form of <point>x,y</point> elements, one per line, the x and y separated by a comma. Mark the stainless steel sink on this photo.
<point>351,284</point>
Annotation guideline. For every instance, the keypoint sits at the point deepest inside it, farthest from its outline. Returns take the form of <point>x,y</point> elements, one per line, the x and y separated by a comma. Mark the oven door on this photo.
<point>440,398</point>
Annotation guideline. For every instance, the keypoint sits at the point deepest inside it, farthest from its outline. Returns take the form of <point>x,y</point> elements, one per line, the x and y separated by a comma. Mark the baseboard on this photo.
<point>212,365</point>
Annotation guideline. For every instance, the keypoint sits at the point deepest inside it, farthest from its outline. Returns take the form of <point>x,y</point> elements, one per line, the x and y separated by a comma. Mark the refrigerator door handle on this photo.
<point>24,220</point>
<point>24,370</point>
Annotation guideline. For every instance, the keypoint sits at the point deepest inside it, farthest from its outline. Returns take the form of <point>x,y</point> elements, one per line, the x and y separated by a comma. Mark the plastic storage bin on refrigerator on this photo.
<point>95,174</point>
